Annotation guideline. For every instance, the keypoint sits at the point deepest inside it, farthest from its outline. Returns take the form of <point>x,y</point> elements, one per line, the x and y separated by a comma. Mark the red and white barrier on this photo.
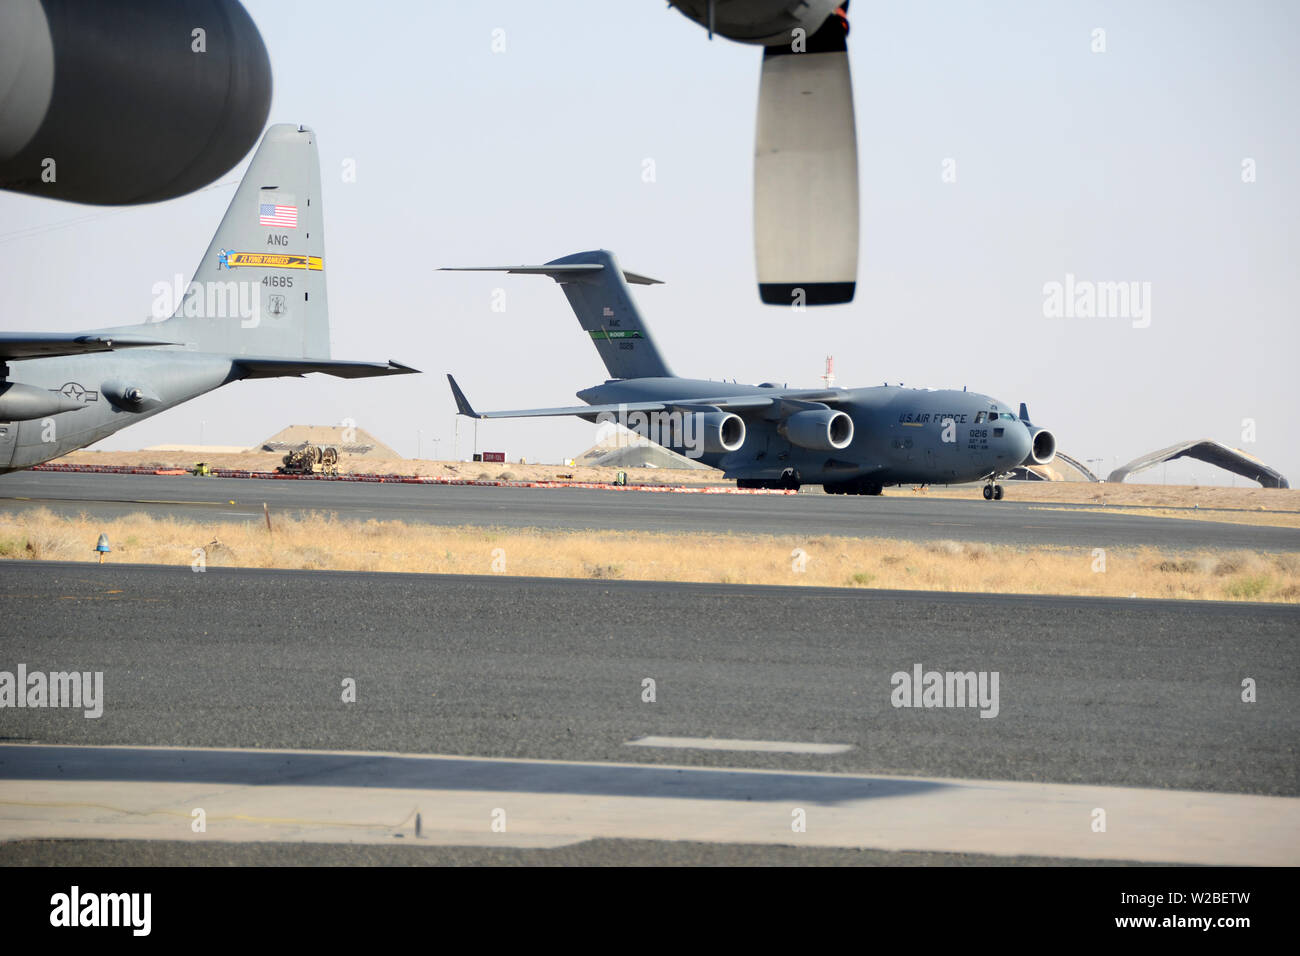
<point>417,480</point>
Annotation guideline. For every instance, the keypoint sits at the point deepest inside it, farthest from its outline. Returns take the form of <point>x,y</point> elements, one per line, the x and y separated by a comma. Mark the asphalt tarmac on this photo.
<point>913,518</point>
<point>541,686</point>
<point>1096,691</point>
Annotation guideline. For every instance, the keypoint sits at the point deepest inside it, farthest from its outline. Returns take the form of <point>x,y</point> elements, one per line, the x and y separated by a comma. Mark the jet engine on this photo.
<point>1043,449</point>
<point>720,432</point>
<point>819,429</point>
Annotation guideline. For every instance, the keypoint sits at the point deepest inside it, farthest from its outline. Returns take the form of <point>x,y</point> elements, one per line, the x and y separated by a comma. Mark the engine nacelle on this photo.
<point>22,403</point>
<point>819,429</point>
<point>1043,447</point>
<point>113,103</point>
<point>719,432</point>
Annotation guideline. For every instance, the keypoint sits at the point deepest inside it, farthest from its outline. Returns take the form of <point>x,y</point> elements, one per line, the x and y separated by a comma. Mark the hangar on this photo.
<point>1215,453</point>
<point>621,447</point>
<point>1062,468</point>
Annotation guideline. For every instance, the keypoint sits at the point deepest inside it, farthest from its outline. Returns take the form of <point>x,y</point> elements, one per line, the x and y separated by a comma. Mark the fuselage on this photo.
<point>900,435</point>
<point>100,384</point>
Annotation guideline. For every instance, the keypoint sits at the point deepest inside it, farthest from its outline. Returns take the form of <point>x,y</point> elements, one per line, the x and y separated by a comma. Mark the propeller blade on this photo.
<point>806,172</point>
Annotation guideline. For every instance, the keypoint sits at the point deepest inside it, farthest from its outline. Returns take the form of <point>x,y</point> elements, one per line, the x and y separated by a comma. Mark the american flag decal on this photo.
<point>608,311</point>
<point>286,217</point>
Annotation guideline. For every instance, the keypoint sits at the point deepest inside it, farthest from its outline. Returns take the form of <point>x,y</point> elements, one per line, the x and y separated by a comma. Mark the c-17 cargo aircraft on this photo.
<point>255,309</point>
<point>849,440</point>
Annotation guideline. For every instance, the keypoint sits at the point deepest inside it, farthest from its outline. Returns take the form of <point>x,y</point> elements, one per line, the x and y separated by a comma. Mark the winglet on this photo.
<point>1024,412</point>
<point>462,403</point>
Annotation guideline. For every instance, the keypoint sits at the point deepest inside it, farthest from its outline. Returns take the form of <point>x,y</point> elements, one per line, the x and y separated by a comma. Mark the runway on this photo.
<point>1005,522</point>
<point>1094,693</point>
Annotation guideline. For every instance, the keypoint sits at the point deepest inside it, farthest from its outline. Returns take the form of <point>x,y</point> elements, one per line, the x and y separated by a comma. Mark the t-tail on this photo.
<point>597,289</point>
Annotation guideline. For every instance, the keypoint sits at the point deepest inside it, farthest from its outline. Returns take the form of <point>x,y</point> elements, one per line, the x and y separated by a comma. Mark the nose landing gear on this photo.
<point>992,492</point>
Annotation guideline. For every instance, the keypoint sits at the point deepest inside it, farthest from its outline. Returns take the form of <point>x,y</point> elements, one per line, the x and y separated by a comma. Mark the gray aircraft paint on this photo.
<point>256,308</point>
<point>900,435</point>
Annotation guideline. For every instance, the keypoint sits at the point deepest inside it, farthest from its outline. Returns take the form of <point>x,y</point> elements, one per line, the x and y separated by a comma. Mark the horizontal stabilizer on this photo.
<point>279,368</point>
<point>597,290</point>
<point>24,345</point>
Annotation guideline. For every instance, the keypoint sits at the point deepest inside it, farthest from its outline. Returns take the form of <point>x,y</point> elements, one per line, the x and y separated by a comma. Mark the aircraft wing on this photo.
<point>558,271</point>
<point>279,368</point>
<point>463,407</point>
<point>731,403</point>
<point>26,345</point>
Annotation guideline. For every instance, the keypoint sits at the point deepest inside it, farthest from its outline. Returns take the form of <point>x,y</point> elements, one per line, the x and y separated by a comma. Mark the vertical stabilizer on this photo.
<point>597,289</point>
<point>260,288</point>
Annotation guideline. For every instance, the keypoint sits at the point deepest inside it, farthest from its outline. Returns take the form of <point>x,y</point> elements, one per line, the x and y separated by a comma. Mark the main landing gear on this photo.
<point>789,481</point>
<point>992,492</point>
<point>856,486</point>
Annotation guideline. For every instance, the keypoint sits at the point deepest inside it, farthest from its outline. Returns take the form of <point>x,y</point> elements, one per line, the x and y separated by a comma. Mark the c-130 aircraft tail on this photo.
<point>266,260</point>
<point>256,308</point>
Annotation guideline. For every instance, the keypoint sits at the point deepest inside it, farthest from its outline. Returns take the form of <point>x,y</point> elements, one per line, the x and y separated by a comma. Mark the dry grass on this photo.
<point>1204,498</point>
<point>1269,519</point>
<point>322,542</point>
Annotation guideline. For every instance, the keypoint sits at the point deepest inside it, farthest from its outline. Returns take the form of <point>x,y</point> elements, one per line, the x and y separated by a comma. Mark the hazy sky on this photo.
<point>1119,166</point>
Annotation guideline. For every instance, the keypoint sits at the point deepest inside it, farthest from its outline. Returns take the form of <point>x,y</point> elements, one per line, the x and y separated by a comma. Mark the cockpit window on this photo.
<point>979,418</point>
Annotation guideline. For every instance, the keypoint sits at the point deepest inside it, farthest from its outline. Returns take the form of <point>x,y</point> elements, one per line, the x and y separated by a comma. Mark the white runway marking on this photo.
<point>152,793</point>
<point>757,746</point>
